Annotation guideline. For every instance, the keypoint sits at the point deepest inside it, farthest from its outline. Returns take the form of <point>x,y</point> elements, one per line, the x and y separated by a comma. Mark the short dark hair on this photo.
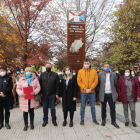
<point>86,60</point>
<point>107,63</point>
<point>4,68</point>
<point>127,69</point>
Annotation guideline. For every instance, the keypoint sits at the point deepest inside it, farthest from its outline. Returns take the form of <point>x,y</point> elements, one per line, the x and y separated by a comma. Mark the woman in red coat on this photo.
<point>128,93</point>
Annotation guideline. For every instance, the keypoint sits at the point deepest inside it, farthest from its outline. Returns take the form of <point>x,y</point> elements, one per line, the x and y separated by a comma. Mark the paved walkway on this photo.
<point>88,132</point>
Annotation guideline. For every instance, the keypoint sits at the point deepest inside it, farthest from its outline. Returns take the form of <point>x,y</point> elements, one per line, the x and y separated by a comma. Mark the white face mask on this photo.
<point>132,73</point>
<point>117,71</point>
<point>127,74</point>
<point>2,73</point>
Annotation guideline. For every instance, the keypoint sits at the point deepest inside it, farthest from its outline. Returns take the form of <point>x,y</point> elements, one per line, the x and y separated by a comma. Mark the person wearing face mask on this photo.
<point>6,86</point>
<point>12,93</point>
<point>117,73</point>
<point>107,93</point>
<point>138,77</point>
<point>28,105</point>
<point>128,93</point>
<point>49,82</point>
<point>133,73</point>
<point>68,95</point>
<point>87,80</point>
<point>17,80</point>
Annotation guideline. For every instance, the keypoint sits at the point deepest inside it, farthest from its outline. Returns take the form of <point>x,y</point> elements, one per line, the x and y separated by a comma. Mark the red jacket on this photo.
<point>121,89</point>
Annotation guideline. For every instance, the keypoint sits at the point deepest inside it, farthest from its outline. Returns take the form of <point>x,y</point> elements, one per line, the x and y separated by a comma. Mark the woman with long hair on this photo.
<point>68,94</point>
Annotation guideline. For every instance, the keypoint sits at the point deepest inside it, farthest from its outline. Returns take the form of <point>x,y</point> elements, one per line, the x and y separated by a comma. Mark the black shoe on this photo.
<point>82,122</point>
<point>32,126</point>
<point>114,123</point>
<point>54,123</point>
<point>25,127</point>
<point>7,126</point>
<point>134,124</point>
<point>95,121</point>
<point>103,123</point>
<point>1,126</point>
<point>64,123</point>
<point>127,124</point>
<point>11,107</point>
<point>71,124</point>
<point>44,124</point>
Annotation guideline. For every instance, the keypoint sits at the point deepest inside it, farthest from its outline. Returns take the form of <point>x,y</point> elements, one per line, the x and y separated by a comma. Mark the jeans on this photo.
<point>84,97</point>
<point>31,113</point>
<point>108,98</point>
<point>132,109</point>
<point>46,100</point>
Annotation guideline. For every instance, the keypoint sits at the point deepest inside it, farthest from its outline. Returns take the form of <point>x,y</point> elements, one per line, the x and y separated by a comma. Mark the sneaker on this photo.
<point>82,122</point>
<point>25,127</point>
<point>32,126</point>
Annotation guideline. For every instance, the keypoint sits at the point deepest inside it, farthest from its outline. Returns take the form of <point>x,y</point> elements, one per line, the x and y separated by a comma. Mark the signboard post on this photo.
<point>76,40</point>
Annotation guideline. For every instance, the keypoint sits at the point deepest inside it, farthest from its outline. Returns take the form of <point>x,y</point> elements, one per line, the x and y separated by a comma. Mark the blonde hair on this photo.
<point>26,69</point>
<point>65,76</point>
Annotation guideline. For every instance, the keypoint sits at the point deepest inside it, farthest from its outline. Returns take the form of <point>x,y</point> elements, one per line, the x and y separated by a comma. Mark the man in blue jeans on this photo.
<point>49,82</point>
<point>87,80</point>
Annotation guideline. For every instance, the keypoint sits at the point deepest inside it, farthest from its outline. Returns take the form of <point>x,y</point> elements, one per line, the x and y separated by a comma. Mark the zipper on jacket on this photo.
<point>48,85</point>
<point>88,79</point>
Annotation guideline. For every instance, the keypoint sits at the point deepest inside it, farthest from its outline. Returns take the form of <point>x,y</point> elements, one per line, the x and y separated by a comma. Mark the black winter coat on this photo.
<point>67,94</point>
<point>6,86</point>
<point>49,83</point>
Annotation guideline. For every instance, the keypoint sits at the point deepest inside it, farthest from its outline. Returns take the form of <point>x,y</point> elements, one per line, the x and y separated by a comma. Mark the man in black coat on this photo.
<point>49,82</point>
<point>6,86</point>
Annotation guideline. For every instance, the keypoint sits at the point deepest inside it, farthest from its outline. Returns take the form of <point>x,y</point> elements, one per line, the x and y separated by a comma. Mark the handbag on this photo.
<point>37,97</point>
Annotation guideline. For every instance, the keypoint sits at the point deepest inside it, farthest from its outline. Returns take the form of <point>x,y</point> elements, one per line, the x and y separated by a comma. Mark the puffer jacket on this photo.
<point>87,79</point>
<point>22,101</point>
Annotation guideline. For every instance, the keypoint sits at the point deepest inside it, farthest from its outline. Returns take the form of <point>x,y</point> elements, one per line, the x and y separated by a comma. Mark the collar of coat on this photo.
<point>87,69</point>
<point>23,78</point>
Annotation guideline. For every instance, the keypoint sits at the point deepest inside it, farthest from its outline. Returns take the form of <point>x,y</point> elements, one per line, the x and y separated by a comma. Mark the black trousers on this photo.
<point>31,113</point>
<point>66,114</point>
<point>108,98</point>
<point>4,105</point>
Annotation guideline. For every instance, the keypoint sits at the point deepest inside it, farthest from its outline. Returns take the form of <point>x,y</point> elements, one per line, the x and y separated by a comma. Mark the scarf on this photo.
<point>28,77</point>
<point>128,83</point>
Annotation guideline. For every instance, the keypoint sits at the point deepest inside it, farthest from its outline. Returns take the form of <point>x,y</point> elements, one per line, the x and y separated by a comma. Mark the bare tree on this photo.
<point>97,14</point>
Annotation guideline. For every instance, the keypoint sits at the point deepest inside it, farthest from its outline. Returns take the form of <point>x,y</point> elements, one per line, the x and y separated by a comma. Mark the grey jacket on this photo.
<point>102,82</point>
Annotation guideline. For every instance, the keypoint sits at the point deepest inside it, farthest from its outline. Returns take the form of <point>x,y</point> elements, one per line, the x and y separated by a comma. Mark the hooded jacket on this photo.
<point>87,79</point>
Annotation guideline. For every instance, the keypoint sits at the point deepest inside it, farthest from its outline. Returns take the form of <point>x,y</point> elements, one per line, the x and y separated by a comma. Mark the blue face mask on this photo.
<point>22,72</point>
<point>62,73</point>
<point>107,69</point>
<point>74,73</point>
<point>28,73</point>
<point>18,72</point>
<point>67,72</point>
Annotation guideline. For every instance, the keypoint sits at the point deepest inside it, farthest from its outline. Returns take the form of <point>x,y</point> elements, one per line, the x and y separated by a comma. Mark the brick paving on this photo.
<point>88,132</point>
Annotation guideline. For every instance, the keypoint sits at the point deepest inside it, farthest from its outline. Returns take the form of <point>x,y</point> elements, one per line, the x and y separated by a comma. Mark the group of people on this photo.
<point>49,85</point>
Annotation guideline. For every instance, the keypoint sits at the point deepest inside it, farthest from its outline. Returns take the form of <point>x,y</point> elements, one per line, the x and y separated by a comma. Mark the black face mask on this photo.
<point>8,74</point>
<point>48,70</point>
